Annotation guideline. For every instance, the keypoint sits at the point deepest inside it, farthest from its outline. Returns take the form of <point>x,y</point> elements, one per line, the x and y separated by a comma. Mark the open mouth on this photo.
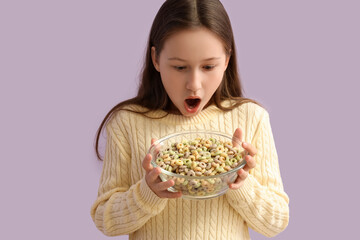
<point>192,104</point>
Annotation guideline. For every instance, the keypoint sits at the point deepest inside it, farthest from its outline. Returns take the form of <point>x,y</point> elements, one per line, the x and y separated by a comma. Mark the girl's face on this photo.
<point>191,64</point>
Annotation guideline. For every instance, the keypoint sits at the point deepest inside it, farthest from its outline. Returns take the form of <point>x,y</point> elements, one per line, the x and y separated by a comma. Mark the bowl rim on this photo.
<point>233,138</point>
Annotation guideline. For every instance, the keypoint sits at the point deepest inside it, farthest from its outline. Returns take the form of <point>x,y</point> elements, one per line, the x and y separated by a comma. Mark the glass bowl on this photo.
<point>201,163</point>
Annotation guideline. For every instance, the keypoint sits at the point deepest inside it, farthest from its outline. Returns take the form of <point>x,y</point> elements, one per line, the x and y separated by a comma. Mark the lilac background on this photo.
<point>64,64</point>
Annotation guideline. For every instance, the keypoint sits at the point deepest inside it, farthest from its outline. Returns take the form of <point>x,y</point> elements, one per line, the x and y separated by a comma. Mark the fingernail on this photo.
<point>245,144</point>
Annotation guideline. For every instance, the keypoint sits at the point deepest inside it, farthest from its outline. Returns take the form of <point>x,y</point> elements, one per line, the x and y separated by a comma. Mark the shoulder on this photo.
<point>132,114</point>
<point>251,110</point>
<point>122,119</point>
<point>256,109</point>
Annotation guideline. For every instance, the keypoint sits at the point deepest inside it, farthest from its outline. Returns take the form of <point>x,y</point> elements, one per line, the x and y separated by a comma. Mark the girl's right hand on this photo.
<point>154,182</point>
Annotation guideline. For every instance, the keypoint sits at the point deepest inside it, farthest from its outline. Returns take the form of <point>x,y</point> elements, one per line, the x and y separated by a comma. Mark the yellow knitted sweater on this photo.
<point>126,205</point>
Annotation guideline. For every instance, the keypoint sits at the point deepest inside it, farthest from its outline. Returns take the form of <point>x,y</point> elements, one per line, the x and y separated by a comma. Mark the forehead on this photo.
<point>193,45</point>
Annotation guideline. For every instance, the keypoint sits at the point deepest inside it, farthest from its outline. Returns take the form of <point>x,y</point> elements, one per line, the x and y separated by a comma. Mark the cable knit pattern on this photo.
<point>126,205</point>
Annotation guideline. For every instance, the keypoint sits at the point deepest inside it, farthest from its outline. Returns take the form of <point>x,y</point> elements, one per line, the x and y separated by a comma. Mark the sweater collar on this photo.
<point>204,115</point>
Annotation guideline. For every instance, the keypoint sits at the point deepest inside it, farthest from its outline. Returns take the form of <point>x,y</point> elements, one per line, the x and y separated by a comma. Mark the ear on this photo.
<point>154,59</point>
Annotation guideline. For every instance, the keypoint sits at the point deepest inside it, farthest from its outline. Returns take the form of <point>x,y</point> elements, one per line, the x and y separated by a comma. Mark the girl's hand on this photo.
<point>154,182</point>
<point>250,161</point>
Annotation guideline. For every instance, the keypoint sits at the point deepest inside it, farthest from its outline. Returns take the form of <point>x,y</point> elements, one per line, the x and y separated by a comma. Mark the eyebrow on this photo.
<point>179,59</point>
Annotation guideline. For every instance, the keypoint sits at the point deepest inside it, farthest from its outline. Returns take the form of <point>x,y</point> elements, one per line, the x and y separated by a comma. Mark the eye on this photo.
<point>180,68</point>
<point>209,67</point>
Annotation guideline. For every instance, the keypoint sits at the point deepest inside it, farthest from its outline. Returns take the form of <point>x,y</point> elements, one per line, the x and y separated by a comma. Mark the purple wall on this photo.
<point>64,64</point>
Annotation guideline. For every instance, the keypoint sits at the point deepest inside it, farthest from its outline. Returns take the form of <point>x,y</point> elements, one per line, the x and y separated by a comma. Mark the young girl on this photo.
<point>189,82</point>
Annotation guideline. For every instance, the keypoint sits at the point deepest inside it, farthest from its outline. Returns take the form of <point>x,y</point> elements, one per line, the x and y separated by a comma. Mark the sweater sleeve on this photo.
<point>261,201</point>
<point>122,208</point>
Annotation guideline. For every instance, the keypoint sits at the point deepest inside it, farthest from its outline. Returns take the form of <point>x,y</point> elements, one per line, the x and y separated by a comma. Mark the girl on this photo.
<point>189,81</point>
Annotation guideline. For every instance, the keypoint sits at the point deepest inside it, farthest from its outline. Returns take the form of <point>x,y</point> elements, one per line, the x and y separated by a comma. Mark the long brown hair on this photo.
<point>175,15</point>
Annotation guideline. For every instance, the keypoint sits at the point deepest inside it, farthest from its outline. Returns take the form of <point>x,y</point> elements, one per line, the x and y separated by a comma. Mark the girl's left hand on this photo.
<point>250,161</point>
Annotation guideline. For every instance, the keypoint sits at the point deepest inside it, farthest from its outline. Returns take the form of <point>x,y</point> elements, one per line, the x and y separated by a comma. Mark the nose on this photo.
<point>193,82</point>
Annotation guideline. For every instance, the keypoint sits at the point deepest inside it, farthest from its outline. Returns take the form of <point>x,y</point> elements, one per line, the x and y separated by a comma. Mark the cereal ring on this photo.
<point>208,166</point>
<point>205,160</point>
<point>197,169</point>
<point>214,164</point>
<point>223,154</point>
<point>179,162</point>
<point>220,148</point>
<point>202,165</point>
<point>159,160</point>
<point>193,164</point>
<point>198,173</point>
<point>217,161</point>
<point>201,193</point>
<point>194,183</point>
<point>179,145</point>
<point>162,165</point>
<point>179,181</point>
